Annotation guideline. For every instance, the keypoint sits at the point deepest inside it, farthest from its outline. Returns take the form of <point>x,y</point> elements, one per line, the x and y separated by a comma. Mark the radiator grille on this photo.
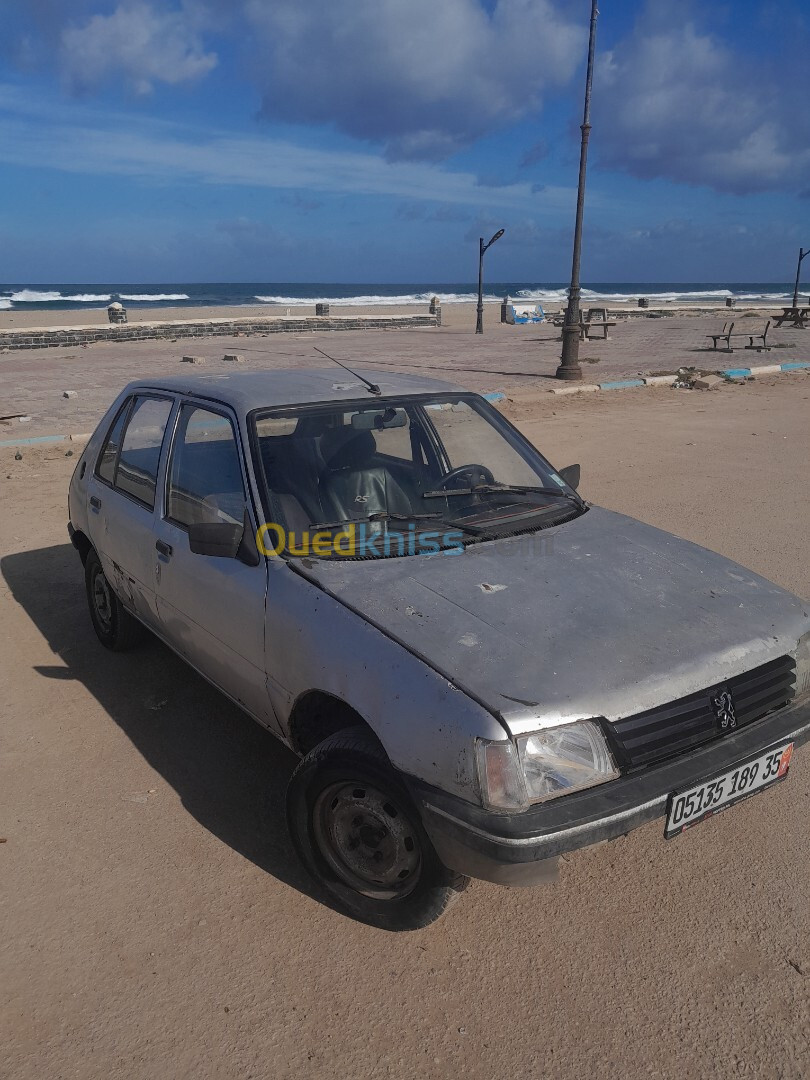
<point>680,725</point>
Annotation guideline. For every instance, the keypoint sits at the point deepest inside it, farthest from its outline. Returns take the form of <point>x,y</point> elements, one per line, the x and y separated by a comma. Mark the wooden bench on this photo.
<point>795,316</point>
<point>727,334</point>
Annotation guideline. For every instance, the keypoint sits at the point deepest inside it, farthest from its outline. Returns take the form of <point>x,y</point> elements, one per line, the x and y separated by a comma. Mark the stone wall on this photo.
<point>44,338</point>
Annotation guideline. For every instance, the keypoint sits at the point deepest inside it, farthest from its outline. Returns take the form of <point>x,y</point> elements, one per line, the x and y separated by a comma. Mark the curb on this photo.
<point>620,384</point>
<point>767,369</point>
<point>37,440</point>
<point>583,389</point>
<point>664,380</point>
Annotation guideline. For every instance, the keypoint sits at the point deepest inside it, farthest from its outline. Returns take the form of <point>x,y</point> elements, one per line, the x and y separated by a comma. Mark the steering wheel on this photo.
<point>474,474</point>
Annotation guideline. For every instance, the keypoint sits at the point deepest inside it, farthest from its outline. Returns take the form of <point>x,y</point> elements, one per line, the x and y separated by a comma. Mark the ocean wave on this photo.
<point>707,296</point>
<point>153,297</point>
<point>5,305</point>
<point>375,300</point>
<point>31,296</point>
<point>308,301</point>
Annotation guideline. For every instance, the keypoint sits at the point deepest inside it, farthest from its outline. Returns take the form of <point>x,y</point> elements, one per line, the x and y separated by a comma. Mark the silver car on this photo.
<point>478,669</point>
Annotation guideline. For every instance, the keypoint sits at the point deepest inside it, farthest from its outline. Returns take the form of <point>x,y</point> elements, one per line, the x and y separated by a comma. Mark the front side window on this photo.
<point>205,474</point>
<point>407,466</point>
<point>139,458</point>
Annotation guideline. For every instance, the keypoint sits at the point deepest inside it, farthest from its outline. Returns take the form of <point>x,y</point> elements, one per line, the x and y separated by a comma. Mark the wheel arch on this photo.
<point>82,544</point>
<point>316,715</point>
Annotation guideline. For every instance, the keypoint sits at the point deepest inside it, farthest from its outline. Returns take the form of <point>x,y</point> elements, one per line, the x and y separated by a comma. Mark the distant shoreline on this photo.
<point>455,315</point>
<point>88,301</point>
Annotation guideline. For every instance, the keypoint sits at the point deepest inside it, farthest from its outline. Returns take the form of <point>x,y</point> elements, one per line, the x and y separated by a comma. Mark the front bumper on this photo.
<point>513,849</point>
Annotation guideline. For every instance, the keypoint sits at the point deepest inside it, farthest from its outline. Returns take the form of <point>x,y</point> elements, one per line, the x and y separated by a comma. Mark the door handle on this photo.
<point>95,502</point>
<point>164,549</point>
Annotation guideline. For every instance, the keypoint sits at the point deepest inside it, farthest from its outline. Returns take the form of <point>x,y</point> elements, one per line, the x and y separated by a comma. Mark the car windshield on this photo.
<point>400,476</point>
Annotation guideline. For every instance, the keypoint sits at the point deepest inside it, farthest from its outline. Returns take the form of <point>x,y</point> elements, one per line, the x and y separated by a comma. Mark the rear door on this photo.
<point>212,609</point>
<point>121,495</point>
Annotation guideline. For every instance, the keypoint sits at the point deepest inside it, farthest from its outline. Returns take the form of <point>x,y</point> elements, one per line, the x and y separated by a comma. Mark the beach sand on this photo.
<point>454,316</point>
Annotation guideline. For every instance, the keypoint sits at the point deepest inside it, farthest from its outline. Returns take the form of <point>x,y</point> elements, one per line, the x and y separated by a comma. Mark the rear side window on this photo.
<point>106,463</point>
<point>140,449</point>
<point>205,475</point>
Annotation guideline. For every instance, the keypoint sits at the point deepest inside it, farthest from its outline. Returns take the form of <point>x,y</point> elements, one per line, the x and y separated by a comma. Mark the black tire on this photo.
<point>344,793</point>
<point>115,628</point>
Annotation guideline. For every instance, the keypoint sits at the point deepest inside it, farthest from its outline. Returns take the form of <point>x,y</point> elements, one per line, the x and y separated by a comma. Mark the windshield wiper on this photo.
<point>380,515</point>
<point>521,488</point>
<point>385,516</point>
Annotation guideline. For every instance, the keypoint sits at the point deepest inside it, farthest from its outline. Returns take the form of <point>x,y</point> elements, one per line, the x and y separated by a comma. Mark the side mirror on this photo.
<point>571,475</point>
<point>225,540</point>
<point>218,538</point>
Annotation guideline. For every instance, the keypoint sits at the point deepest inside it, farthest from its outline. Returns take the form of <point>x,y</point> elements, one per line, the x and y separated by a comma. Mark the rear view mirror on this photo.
<point>369,420</point>
<point>571,475</point>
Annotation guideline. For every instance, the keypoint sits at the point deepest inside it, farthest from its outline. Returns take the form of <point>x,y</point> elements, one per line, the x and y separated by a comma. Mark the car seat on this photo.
<point>354,483</point>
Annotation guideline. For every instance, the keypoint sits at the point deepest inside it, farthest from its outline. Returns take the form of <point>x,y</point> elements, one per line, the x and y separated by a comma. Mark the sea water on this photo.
<point>25,296</point>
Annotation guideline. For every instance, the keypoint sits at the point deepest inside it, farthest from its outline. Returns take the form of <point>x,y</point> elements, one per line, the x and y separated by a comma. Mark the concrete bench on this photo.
<point>596,318</point>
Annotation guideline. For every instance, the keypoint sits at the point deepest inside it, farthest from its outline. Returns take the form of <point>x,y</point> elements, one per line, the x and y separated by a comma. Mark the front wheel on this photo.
<point>359,835</point>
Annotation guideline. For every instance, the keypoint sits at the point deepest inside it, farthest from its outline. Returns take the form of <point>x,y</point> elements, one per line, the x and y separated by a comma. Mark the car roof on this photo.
<point>248,390</point>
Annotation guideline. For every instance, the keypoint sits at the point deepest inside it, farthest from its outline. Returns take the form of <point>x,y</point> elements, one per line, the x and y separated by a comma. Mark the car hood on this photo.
<point>600,616</point>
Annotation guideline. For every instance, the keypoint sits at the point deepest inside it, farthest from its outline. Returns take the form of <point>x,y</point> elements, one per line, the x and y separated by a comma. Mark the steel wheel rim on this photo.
<point>367,839</point>
<point>102,601</point>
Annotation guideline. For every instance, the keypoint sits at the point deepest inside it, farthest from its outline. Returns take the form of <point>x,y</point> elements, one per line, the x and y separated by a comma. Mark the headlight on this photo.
<point>803,666</point>
<point>542,766</point>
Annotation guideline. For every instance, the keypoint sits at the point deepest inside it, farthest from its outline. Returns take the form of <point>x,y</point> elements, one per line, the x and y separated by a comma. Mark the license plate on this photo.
<point>688,808</point>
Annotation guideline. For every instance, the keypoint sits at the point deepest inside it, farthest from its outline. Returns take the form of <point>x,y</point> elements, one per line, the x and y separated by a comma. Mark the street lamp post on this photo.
<point>802,255</point>
<point>569,368</point>
<point>482,247</point>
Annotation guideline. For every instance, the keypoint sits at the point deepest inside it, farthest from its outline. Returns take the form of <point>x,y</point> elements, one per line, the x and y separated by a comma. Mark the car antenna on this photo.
<point>372,387</point>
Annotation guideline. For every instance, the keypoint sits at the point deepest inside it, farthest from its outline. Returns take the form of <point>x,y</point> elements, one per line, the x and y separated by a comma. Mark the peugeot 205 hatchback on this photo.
<point>478,669</point>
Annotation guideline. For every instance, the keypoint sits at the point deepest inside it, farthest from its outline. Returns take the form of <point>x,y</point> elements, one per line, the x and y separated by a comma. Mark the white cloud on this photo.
<point>425,78</point>
<point>673,101</point>
<point>76,139</point>
<point>136,43</point>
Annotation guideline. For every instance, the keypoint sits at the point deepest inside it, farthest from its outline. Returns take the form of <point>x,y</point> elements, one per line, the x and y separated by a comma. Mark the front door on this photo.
<point>211,609</point>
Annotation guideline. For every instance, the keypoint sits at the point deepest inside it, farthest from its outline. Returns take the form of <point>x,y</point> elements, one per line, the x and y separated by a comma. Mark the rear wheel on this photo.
<point>359,834</point>
<point>115,628</point>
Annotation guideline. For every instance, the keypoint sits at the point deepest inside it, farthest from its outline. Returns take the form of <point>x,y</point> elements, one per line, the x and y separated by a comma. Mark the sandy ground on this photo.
<point>157,924</point>
<point>509,358</point>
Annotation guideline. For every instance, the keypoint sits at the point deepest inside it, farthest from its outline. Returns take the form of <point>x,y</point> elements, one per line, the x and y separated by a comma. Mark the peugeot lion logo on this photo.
<point>723,709</point>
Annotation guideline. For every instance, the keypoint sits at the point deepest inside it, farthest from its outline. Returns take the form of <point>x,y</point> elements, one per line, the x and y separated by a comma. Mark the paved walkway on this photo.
<point>504,357</point>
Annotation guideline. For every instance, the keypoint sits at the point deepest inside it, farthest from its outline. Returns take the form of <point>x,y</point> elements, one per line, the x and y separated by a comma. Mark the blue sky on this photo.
<point>375,140</point>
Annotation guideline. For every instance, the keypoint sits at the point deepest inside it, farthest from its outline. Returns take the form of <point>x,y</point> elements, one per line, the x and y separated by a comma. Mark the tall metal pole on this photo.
<point>569,368</point>
<point>802,255</point>
<point>479,320</point>
<point>482,247</point>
